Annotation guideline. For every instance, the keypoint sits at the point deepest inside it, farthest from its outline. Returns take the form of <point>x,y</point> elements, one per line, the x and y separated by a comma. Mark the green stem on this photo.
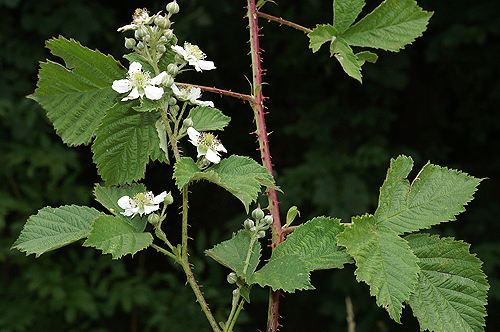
<point>165,252</point>
<point>240,307</point>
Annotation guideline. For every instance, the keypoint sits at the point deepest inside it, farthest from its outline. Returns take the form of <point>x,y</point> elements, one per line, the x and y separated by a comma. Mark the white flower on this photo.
<point>191,95</point>
<point>207,144</point>
<point>142,203</point>
<point>195,57</point>
<point>140,83</point>
<point>141,16</point>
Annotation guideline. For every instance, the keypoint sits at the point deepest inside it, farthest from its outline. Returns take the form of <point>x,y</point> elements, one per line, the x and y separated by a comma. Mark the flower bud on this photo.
<point>261,234</point>
<point>153,218</point>
<point>172,69</point>
<point>232,278</point>
<point>140,32</point>
<point>249,224</point>
<point>168,199</point>
<point>161,49</point>
<point>146,38</point>
<point>168,34</point>
<point>163,23</point>
<point>268,219</point>
<point>129,43</point>
<point>258,214</point>
<point>140,45</point>
<point>167,81</point>
<point>188,123</point>
<point>172,101</point>
<point>173,7</point>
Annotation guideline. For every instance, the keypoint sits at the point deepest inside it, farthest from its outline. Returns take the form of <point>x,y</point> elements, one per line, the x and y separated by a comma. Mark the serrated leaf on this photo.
<point>147,105</point>
<point>390,26</point>
<point>233,253</point>
<point>289,273</point>
<point>384,261</point>
<point>241,176</point>
<point>162,153</point>
<point>366,56</point>
<point>451,290</point>
<point>436,195</point>
<point>109,196</point>
<point>315,243</point>
<point>76,96</point>
<point>320,35</point>
<point>208,118</point>
<point>52,228</point>
<point>124,141</point>
<point>345,13</point>
<point>115,236</point>
<point>345,56</point>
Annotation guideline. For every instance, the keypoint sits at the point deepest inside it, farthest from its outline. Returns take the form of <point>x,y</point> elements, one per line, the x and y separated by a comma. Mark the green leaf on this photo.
<point>208,118</point>
<point>345,12</point>
<point>147,105</point>
<point>315,243</point>
<point>451,290</point>
<point>76,96</point>
<point>241,176</point>
<point>290,215</point>
<point>162,152</point>
<point>391,26</point>
<point>345,56</point>
<point>52,228</point>
<point>109,196</point>
<point>320,35</point>
<point>384,261</point>
<point>124,141</point>
<point>288,273</point>
<point>366,56</point>
<point>436,195</point>
<point>233,253</point>
<point>115,236</point>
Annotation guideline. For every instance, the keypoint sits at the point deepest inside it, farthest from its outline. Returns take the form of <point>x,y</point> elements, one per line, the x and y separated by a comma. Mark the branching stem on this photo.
<point>284,22</point>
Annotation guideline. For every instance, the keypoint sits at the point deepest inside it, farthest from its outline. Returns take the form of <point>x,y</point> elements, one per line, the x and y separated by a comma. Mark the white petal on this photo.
<point>220,147</point>
<point>160,198</point>
<point>153,92</point>
<point>175,90</point>
<point>180,50</point>
<point>128,27</point>
<point>193,135</point>
<point>200,65</point>
<point>134,94</point>
<point>212,156</point>
<point>121,86</point>
<point>204,103</point>
<point>157,79</point>
<point>124,202</point>
<point>150,208</point>
<point>194,94</point>
<point>134,67</point>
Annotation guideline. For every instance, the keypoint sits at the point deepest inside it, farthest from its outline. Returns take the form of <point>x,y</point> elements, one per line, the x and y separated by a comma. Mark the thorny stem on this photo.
<point>258,107</point>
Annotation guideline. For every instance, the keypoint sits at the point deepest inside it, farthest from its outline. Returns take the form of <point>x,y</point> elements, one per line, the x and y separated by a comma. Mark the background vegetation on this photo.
<point>436,100</point>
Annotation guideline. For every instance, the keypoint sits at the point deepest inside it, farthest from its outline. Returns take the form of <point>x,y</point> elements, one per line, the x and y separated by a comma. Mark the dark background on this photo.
<point>332,140</point>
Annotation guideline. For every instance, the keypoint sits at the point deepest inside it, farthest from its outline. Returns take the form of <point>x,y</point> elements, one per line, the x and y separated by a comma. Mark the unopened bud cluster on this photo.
<point>261,223</point>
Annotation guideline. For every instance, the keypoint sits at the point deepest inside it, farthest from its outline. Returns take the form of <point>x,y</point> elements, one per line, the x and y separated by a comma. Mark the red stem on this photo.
<point>258,107</point>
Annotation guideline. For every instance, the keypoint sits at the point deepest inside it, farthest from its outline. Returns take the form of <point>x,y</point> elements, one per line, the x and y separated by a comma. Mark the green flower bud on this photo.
<point>167,81</point>
<point>153,218</point>
<point>168,199</point>
<point>258,214</point>
<point>188,123</point>
<point>140,32</point>
<point>232,278</point>
<point>173,7</point>
<point>146,38</point>
<point>268,219</point>
<point>261,234</point>
<point>172,69</point>
<point>161,49</point>
<point>129,43</point>
<point>140,45</point>
<point>249,224</point>
<point>163,23</point>
<point>168,34</point>
<point>172,101</point>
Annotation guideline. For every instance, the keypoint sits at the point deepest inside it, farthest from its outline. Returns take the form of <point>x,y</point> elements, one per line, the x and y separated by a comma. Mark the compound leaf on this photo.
<point>451,292</point>
<point>76,96</point>
<point>436,195</point>
<point>208,118</point>
<point>233,253</point>
<point>384,261</point>
<point>124,142</point>
<point>52,228</point>
<point>115,236</point>
<point>390,26</point>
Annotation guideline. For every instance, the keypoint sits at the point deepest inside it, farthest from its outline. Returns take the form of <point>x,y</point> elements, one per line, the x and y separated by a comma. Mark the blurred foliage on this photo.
<point>332,139</point>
